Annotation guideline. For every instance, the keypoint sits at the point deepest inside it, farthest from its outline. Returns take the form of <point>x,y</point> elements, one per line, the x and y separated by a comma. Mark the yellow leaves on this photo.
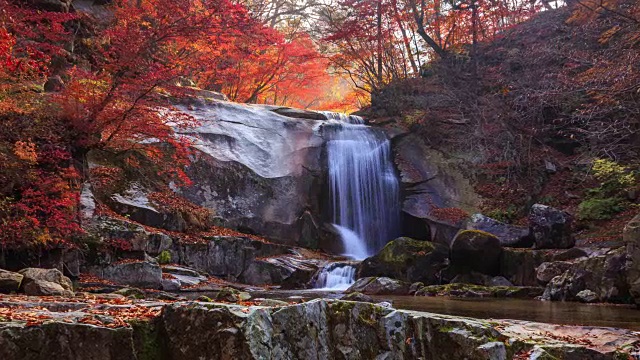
<point>26,151</point>
<point>43,237</point>
<point>605,169</point>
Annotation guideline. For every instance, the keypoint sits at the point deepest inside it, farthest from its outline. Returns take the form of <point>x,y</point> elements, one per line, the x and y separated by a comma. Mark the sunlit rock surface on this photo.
<point>259,170</point>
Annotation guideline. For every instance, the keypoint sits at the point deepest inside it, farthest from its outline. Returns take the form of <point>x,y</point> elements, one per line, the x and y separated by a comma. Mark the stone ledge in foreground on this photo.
<point>319,329</point>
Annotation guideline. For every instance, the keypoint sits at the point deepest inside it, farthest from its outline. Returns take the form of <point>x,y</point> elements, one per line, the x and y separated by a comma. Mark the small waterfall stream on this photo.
<point>335,276</point>
<point>363,185</point>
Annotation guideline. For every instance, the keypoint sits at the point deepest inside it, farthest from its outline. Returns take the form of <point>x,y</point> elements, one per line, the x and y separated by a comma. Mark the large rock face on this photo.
<point>431,179</point>
<point>631,237</point>
<point>258,170</point>
<point>408,260</point>
<point>604,276</point>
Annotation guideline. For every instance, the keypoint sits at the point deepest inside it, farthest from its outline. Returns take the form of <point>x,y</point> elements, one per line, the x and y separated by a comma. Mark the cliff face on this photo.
<point>260,171</point>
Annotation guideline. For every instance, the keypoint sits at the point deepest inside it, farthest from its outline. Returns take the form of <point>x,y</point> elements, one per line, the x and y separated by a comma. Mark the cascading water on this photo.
<point>336,276</point>
<point>363,185</point>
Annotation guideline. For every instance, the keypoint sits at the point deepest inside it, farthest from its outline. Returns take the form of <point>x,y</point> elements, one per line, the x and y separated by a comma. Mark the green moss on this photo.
<point>147,342</point>
<point>600,209</point>
<point>470,233</point>
<point>446,329</point>
<point>400,250</point>
<point>164,257</point>
<point>369,314</point>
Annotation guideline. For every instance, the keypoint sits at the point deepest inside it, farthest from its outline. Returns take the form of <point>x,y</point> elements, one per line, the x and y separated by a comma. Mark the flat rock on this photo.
<point>509,235</point>
<point>143,274</point>
<point>379,286</point>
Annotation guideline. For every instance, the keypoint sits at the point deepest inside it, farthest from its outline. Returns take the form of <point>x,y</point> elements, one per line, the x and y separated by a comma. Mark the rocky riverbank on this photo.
<point>112,327</point>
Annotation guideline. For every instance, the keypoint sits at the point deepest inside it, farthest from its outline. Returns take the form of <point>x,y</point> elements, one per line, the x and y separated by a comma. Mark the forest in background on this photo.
<point>82,76</point>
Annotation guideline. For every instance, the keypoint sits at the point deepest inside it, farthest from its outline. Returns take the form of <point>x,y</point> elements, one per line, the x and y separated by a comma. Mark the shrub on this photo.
<point>599,209</point>
<point>164,257</point>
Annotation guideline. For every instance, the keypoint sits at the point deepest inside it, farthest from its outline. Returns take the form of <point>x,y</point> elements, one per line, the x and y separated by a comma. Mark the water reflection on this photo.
<point>532,310</point>
<point>567,313</point>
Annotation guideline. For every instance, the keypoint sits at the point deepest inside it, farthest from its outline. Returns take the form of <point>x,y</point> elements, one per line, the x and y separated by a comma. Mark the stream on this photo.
<point>565,313</point>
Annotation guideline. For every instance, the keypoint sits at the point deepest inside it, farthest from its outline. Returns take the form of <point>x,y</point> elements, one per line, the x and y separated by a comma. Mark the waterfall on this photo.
<point>363,186</point>
<point>344,118</point>
<point>335,276</point>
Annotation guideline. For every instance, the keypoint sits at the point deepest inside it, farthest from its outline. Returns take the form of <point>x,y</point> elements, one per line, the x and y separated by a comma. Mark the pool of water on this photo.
<point>567,313</point>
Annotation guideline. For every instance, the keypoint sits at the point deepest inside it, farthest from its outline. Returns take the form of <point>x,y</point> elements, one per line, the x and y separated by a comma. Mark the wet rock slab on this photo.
<point>319,329</point>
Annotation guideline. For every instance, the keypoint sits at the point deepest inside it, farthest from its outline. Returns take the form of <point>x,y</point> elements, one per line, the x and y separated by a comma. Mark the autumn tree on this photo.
<point>367,41</point>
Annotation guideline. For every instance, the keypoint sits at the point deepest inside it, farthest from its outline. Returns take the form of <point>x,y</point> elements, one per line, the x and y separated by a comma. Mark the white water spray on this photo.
<point>363,185</point>
<point>336,276</point>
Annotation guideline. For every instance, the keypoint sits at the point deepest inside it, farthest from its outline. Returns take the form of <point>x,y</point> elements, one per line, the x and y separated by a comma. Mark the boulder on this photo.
<point>509,235</point>
<point>587,296</point>
<point>184,276</point>
<point>631,236</point>
<point>407,260</point>
<point>551,227</point>
<point>356,296</point>
<point>141,239</point>
<point>379,286</point>
<point>9,281</point>
<point>604,275</point>
<point>143,274</point>
<point>548,270</point>
<point>45,282</point>
<point>519,266</point>
<point>415,287</point>
<point>474,250</point>
<point>260,171</point>
<point>291,272</point>
<point>248,261</point>
<point>170,284</point>
<point>204,94</point>
<point>499,281</point>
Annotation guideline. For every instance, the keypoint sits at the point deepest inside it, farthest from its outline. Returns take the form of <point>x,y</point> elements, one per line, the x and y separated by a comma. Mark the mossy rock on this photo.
<point>476,250</point>
<point>228,294</point>
<point>408,260</point>
<point>471,290</point>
